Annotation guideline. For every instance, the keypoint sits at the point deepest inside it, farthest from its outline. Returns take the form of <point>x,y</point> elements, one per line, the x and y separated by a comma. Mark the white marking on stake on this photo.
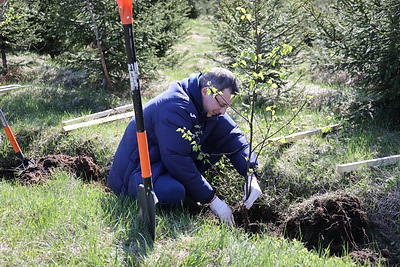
<point>348,167</point>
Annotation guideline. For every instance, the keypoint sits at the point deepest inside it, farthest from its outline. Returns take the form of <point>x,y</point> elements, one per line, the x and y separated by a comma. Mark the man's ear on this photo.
<point>204,91</point>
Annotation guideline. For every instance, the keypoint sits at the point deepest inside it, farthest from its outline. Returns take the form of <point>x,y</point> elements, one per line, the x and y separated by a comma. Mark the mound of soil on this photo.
<point>332,222</point>
<point>82,166</point>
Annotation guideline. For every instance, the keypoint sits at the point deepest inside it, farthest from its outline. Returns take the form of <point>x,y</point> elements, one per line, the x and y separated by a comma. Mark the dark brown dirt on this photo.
<point>336,222</point>
<point>82,166</point>
<point>365,256</point>
<point>259,219</point>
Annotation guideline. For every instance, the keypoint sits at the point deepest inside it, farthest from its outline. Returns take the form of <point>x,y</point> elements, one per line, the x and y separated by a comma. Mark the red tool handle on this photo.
<point>125,11</point>
<point>12,139</point>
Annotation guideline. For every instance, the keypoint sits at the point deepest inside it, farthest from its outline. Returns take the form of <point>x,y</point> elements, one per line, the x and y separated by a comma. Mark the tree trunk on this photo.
<point>3,4</point>
<point>4,59</point>
<point>102,58</point>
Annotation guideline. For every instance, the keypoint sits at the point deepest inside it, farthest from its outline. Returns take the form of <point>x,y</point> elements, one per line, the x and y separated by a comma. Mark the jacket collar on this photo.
<point>195,94</point>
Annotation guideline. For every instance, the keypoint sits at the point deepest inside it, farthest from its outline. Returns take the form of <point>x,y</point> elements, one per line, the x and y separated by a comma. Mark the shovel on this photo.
<point>25,161</point>
<point>146,196</point>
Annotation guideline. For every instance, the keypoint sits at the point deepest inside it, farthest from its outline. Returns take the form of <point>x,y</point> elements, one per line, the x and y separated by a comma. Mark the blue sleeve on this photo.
<point>229,139</point>
<point>176,151</point>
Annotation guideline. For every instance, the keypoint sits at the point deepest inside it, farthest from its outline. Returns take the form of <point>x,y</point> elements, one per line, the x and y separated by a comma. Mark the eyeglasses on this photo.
<point>222,105</point>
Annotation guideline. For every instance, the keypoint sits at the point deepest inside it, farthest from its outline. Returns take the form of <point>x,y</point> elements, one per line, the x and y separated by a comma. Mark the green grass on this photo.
<point>67,222</point>
<point>61,222</point>
<point>212,245</point>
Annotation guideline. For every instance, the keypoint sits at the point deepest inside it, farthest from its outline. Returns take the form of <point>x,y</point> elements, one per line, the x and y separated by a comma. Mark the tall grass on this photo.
<point>61,222</point>
<point>66,222</point>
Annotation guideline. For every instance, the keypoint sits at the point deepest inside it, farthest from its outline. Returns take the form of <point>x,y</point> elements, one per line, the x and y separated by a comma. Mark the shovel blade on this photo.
<point>147,210</point>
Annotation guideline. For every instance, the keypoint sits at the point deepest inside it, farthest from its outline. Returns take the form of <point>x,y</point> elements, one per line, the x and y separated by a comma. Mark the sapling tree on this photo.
<point>262,59</point>
<point>99,46</point>
<point>261,40</point>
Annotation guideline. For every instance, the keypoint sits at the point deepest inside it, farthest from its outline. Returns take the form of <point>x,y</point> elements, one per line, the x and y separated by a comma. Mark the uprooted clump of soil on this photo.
<point>335,222</point>
<point>82,166</point>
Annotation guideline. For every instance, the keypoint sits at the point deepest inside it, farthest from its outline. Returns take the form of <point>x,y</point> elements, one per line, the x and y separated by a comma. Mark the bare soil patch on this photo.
<point>82,166</point>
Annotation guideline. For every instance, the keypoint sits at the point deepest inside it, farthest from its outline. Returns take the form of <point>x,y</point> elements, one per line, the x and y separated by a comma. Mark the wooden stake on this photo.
<point>6,88</point>
<point>297,136</point>
<point>100,114</point>
<point>127,115</point>
<point>343,168</point>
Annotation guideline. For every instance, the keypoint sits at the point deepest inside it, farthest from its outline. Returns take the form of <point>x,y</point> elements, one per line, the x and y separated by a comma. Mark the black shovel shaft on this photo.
<point>137,104</point>
<point>134,77</point>
<point>146,196</point>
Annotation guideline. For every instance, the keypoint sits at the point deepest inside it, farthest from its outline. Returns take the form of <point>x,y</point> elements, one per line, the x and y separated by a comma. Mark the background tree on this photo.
<point>64,30</point>
<point>15,33</point>
<point>362,38</point>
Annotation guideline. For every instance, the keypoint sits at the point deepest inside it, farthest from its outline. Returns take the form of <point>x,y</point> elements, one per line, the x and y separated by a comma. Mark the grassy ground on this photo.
<point>69,222</point>
<point>66,222</point>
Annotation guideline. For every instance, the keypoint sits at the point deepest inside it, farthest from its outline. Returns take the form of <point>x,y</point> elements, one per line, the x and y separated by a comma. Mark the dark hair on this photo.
<point>219,78</point>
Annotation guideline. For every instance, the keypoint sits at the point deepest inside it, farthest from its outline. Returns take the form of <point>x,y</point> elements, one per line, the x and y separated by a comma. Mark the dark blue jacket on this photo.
<point>179,107</point>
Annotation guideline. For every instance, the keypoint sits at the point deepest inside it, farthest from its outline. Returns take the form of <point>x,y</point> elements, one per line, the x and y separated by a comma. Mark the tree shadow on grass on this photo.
<point>133,241</point>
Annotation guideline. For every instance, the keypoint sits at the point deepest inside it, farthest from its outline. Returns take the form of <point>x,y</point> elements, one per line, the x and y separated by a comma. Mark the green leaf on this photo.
<point>253,57</point>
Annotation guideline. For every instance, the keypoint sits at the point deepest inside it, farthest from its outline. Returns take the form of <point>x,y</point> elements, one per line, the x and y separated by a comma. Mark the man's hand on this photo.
<point>222,210</point>
<point>254,190</point>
